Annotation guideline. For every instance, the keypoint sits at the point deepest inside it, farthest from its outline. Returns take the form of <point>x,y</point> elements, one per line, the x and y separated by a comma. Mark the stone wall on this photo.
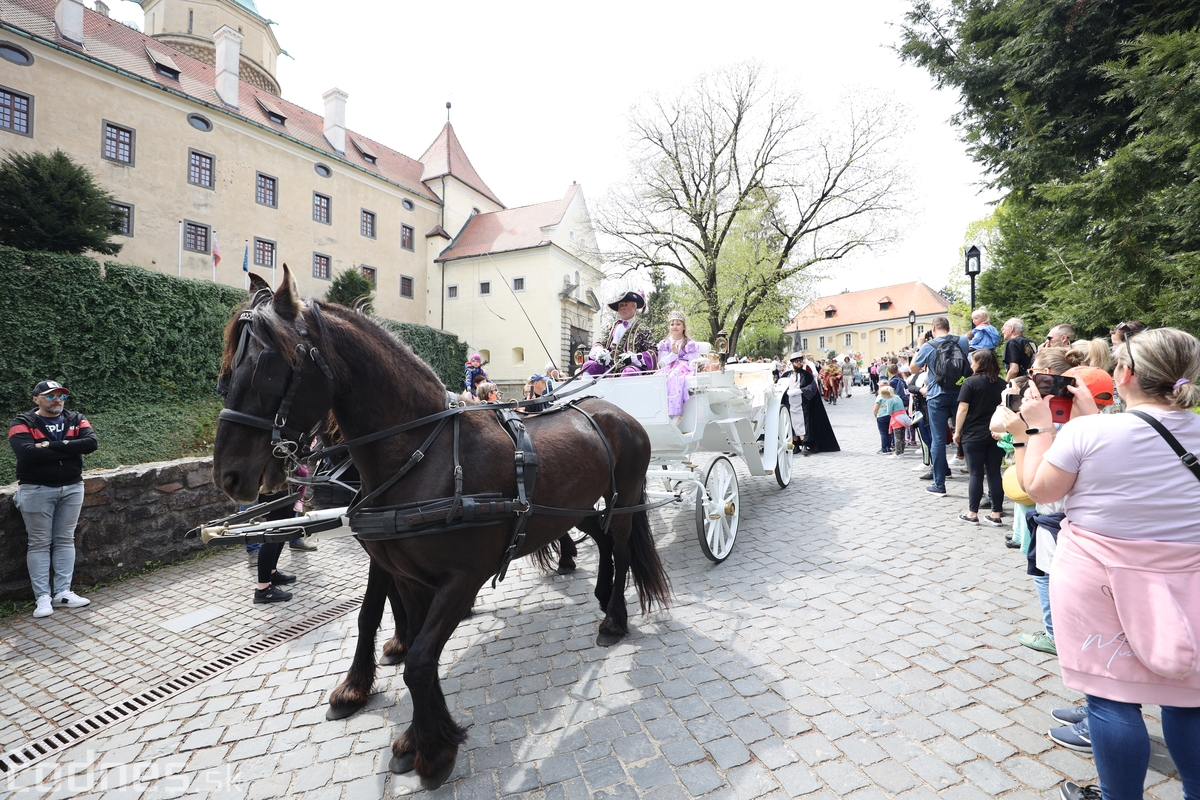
<point>131,516</point>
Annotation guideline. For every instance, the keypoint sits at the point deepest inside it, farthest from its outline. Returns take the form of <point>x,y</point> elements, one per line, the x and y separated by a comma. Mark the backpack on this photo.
<point>901,389</point>
<point>949,366</point>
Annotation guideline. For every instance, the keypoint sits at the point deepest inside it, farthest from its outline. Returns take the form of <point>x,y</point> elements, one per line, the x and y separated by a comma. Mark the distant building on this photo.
<point>873,322</point>
<point>185,126</point>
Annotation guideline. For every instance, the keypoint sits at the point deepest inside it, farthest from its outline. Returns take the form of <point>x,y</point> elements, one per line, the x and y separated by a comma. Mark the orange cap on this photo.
<point>1099,383</point>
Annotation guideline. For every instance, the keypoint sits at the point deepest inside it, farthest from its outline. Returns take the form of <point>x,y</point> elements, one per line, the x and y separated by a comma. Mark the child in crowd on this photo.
<point>886,404</point>
<point>900,392</point>
<point>984,335</point>
<point>474,369</point>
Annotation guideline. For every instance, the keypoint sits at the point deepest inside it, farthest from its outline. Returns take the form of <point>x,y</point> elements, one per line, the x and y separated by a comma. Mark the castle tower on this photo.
<point>188,25</point>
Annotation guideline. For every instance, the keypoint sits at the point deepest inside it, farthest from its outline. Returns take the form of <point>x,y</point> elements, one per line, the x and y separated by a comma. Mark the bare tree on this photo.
<point>733,165</point>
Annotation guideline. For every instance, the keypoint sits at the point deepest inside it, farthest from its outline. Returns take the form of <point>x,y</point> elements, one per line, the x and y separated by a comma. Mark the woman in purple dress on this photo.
<point>675,355</point>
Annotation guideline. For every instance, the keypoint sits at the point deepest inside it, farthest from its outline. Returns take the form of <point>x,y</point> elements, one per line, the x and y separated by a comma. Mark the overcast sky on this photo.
<point>540,92</point>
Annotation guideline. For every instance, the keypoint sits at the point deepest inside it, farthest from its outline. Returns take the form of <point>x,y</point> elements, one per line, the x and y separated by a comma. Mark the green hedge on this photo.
<point>443,351</point>
<point>139,351</point>
<point>127,338</point>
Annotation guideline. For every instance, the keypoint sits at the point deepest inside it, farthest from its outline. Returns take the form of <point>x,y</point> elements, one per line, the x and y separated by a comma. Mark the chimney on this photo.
<point>229,52</point>
<point>68,15</point>
<point>335,118</point>
<point>102,8</point>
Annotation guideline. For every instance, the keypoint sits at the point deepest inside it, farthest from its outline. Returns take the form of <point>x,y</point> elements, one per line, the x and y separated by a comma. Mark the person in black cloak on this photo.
<point>810,423</point>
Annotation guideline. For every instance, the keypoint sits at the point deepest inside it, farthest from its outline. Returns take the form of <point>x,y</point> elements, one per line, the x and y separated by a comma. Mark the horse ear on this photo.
<point>286,301</point>
<point>257,284</point>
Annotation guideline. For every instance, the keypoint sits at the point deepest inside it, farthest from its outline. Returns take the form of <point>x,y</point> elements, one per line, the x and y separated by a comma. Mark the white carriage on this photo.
<point>735,412</point>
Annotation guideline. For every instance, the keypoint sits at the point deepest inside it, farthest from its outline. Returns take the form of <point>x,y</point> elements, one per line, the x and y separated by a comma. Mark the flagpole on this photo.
<point>214,259</point>
<point>246,267</point>
<point>179,262</point>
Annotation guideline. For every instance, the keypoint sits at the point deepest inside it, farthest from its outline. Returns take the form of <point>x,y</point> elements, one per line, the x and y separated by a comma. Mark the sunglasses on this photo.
<point>54,398</point>
<point>1127,331</point>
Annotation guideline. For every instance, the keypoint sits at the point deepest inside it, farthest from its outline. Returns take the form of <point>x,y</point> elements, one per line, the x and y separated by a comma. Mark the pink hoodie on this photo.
<point>1127,617</point>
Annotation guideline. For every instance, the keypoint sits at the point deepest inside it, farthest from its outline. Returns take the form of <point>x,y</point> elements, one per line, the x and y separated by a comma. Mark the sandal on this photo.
<point>969,520</point>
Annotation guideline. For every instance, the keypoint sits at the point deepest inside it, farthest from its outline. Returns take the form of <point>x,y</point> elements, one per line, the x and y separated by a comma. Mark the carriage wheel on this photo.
<point>717,515</point>
<point>783,449</point>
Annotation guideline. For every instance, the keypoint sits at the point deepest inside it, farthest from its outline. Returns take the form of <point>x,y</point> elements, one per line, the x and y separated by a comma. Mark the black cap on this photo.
<point>629,297</point>
<point>49,386</point>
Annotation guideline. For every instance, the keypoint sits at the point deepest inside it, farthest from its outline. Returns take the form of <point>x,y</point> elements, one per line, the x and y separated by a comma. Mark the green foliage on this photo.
<point>443,351</point>
<point>1089,113</point>
<point>763,340</point>
<point>128,338</point>
<point>659,302</point>
<point>139,433</point>
<point>50,203</point>
<point>351,289</point>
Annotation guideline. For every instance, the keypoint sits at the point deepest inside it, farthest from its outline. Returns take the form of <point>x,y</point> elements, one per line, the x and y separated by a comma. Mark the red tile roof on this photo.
<point>511,229</point>
<point>447,157</point>
<point>120,46</point>
<point>856,308</point>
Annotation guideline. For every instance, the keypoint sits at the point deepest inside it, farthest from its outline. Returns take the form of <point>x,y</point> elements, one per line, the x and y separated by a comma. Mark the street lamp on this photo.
<point>912,337</point>
<point>972,270</point>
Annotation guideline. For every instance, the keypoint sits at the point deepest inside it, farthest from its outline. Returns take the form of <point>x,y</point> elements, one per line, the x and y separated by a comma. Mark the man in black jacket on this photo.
<point>50,443</point>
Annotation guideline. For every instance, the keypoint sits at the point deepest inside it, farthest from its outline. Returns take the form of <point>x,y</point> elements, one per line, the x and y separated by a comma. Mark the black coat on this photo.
<point>59,464</point>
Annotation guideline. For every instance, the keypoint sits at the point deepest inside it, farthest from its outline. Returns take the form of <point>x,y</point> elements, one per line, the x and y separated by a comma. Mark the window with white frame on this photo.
<point>452,292</point>
<point>883,335</point>
<point>518,284</point>
<point>848,340</point>
<point>485,287</point>
<point>821,342</point>
<point>804,343</point>
<point>920,332</point>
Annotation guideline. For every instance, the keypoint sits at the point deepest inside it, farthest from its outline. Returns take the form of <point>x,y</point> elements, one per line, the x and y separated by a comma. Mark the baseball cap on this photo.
<point>1099,383</point>
<point>49,386</point>
<point>537,376</point>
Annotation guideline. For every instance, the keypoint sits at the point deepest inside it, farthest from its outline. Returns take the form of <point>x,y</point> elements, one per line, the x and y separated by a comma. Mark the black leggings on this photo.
<point>268,559</point>
<point>983,456</point>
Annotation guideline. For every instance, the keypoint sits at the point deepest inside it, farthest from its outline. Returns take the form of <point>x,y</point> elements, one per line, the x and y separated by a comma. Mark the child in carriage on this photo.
<point>675,355</point>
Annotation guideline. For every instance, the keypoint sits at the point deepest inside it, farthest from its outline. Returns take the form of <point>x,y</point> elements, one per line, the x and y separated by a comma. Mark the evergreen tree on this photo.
<point>50,203</point>
<point>351,289</point>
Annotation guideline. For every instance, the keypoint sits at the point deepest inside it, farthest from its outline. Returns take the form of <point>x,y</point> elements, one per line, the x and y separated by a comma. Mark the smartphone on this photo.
<point>1054,385</point>
<point>1013,402</point>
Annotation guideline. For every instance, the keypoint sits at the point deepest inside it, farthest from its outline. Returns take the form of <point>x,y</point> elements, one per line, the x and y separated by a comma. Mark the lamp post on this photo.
<point>973,266</point>
<point>912,337</point>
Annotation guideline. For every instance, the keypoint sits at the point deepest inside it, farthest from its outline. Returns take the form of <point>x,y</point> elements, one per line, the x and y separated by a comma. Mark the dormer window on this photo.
<point>368,155</point>
<point>830,311</point>
<point>884,305</point>
<point>273,112</point>
<point>163,65</point>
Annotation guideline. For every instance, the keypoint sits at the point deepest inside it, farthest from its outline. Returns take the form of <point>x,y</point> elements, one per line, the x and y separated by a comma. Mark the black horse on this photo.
<point>371,382</point>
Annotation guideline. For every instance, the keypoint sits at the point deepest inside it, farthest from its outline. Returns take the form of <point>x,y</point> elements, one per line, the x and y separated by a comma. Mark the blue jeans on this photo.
<point>51,513</point>
<point>885,436</point>
<point>1121,746</point>
<point>940,410</point>
<point>1042,582</point>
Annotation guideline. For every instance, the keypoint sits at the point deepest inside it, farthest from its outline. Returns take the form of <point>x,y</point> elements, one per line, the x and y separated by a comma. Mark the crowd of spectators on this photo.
<point>1097,435</point>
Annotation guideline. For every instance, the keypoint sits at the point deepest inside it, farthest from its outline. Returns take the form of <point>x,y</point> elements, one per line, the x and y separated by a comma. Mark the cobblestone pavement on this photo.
<point>859,642</point>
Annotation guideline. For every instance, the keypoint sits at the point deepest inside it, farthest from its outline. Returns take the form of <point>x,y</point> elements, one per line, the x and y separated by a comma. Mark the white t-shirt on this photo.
<point>1130,484</point>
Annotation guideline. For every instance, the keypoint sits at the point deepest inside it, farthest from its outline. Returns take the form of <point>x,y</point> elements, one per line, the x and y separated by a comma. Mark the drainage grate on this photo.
<point>68,736</point>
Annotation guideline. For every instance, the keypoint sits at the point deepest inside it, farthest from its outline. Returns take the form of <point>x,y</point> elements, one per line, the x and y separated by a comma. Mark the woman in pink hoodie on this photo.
<point>1125,588</point>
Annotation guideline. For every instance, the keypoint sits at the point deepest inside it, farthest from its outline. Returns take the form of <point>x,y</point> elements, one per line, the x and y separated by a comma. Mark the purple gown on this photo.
<point>676,367</point>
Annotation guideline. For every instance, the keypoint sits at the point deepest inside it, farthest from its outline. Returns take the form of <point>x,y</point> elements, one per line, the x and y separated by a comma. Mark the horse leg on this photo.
<point>616,617</point>
<point>395,648</point>
<point>604,567</point>
<point>432,741</point>
<point>566,554</point>
<point>352,693</point>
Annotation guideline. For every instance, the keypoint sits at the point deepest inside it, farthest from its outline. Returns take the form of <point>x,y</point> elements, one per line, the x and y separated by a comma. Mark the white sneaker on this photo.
<point>44,609</point>
<point>69,599</point>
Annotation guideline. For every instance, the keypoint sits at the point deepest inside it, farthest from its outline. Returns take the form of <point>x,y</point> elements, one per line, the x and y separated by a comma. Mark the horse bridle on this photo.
<point>273,375</point>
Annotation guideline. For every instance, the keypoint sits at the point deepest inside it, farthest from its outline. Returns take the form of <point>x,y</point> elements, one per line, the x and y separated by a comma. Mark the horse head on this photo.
<point>277,388</point>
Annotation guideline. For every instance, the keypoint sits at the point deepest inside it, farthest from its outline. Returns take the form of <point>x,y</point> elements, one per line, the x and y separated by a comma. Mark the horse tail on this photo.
<point>546,556</point>
<point>653,586</point>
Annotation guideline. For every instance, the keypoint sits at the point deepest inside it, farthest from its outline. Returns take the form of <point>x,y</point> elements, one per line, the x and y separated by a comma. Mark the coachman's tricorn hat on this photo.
<point>629,297</point>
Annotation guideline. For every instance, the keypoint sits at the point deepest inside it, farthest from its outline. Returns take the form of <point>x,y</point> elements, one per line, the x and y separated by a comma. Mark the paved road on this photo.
<point>860,642</point>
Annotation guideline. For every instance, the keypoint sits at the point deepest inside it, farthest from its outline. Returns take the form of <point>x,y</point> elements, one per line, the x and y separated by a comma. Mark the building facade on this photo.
<point>873,322</point>
<point>185,127</point>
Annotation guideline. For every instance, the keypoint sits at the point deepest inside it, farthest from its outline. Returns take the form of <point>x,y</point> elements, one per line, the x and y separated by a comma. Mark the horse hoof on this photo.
<point>388,659</point>
<point>607,639</point>
<point>412,782</point>
<point>565,570</point>
<point>400,765</point>
<point>341,712</point>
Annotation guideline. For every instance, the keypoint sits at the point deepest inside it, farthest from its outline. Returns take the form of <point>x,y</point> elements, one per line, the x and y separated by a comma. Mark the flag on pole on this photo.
<point>246,258</point>
<point>216,253</point>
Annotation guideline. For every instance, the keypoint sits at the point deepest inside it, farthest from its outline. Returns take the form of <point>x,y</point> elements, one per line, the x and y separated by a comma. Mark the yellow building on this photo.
<point>873,322</point>
<point>186,128</point>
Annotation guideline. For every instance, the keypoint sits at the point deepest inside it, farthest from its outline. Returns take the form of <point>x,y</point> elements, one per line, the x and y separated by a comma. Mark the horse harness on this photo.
<point>274,375</point>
